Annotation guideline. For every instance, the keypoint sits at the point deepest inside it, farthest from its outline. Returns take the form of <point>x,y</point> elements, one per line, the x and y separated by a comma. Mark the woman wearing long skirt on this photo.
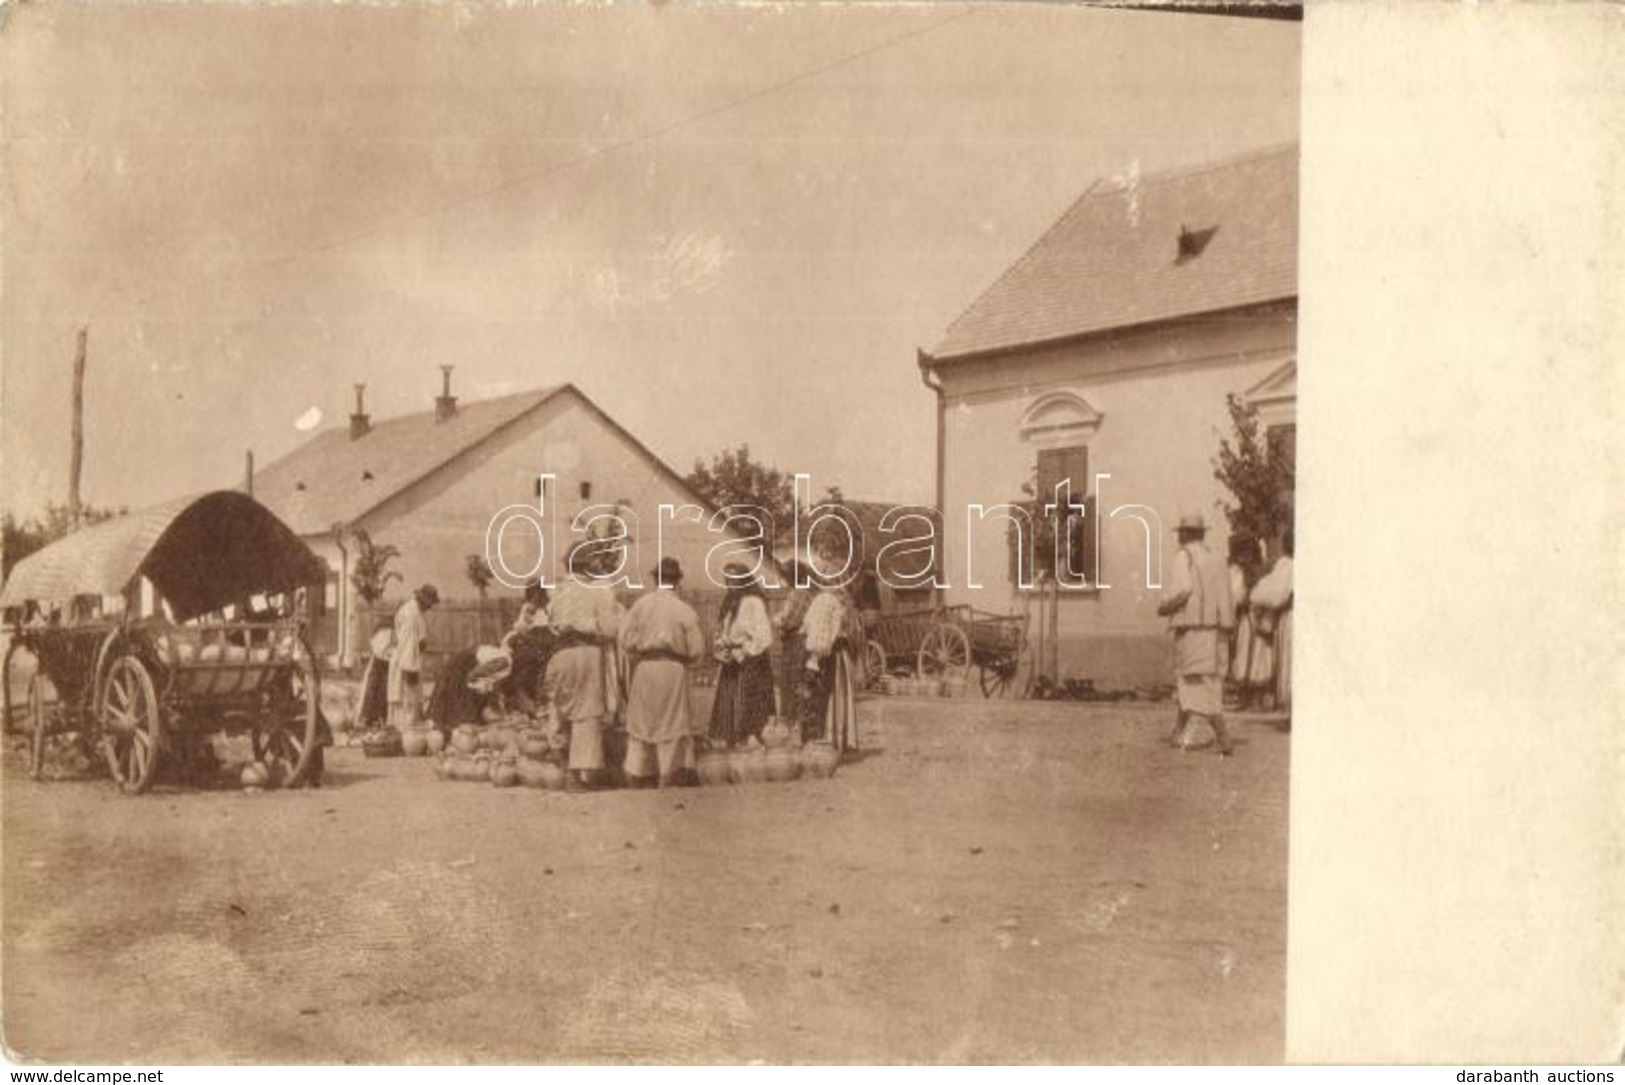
<point>787,623</point>
<point>744,700</point>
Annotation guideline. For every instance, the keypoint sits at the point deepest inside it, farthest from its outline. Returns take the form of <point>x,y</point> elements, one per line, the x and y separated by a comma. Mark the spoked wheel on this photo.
<point>132,732</point>
<point>944,652</point>
<point>1008,678</point>
<point>44,717</point>
<point>874,663</point>
<point>5,681</point>
<point>286,728</point>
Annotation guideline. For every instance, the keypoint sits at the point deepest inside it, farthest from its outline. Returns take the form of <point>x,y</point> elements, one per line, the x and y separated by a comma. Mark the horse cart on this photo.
<point>950,641</point>
<point>135,660</point>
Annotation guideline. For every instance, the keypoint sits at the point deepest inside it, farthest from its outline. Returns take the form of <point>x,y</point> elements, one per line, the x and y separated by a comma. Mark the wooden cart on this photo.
<point>140,687</point>
<point>950,641</point>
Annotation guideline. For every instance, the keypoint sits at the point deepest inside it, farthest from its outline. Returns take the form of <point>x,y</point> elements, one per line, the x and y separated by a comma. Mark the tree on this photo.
<point>372,574</point>
<point>23,537</point>
<point>1259,476</point>
<point>733,478</point>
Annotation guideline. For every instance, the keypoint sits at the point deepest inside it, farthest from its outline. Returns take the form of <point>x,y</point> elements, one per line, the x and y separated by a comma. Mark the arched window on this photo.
<point>1059,425</point>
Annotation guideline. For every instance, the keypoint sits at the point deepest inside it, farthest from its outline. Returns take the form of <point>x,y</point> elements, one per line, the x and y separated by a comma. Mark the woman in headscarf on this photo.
<point>531,642</point>
<point>744,698</point>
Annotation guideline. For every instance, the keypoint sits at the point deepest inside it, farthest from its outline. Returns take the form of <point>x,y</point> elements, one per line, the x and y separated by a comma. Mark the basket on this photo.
<point>385,743</point>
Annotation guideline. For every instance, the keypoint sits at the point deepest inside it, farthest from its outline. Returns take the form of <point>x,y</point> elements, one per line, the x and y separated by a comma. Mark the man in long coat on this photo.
<point>663,638</point>
<point>1201,614</point>
<point>580,673</point>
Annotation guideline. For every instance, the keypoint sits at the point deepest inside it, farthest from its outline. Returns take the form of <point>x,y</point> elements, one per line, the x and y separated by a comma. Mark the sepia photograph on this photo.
<point>656,533</point>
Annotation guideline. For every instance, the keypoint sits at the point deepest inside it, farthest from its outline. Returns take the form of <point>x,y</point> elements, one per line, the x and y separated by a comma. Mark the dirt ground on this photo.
<point>988,882</point>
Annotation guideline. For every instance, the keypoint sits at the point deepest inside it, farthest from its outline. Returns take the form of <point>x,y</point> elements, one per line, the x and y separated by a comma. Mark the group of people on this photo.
<point>1231,623</point>
<point>599,663</point>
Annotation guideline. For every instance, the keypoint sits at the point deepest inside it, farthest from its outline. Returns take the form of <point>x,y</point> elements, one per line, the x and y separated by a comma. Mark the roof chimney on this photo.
<point>359,422</point>
<point>445,405</point>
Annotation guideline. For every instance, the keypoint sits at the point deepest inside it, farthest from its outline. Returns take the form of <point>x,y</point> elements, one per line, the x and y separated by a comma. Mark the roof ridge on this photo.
<point>1180,173</point>
<point>544,391</point>
<point>1020,261</point>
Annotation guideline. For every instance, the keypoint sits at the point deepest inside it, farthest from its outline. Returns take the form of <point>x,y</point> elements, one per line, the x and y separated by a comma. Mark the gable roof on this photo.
<point>326,480</point>
<point>1114,259</point>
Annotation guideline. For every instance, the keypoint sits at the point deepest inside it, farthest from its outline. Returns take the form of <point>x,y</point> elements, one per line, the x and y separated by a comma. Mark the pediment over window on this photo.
<point>1276,396</point>
<point>1060,418</point>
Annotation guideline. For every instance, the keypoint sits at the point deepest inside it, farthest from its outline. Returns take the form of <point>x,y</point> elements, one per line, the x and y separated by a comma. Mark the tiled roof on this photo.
<point>1114,259</point>
<point>332,479</point>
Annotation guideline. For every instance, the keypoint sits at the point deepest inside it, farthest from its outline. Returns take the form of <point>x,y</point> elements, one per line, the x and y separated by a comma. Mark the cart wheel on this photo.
<point>43,709</point>
<point>286,728</point>
<point>945,651</point>
<point>874,663</point>
<point>5,681</point>
<point>1009,679</point>
<point>131,727</point>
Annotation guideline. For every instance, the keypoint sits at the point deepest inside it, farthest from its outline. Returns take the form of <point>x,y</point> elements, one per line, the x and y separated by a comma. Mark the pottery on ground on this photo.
<point>819,760</point>
<point>436,740</point>
<point>782,765</point>
<point>713,767</point>
<point>415,741</point>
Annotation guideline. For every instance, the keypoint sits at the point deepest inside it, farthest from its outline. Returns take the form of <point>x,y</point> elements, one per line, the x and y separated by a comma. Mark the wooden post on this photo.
<point>77,463</point>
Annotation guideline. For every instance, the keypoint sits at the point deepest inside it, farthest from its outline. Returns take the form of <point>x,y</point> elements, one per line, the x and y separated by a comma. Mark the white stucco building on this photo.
<point>1104,356</point>
<point>432,482</point>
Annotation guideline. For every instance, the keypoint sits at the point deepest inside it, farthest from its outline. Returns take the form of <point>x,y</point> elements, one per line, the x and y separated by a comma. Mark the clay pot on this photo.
<point>553,777</point>
<point>754,766</point>
<point>505,773</point>
<point>819,760</point>
<point>481,771</point>
<point>533,744</point>
<point>776,733</point>
<point>465,739</point>
<point>531,772</point>
<point>713,767</point>
<point>415,741</point>
<point>436,740</point>
<point>442,768</point>
<point>782,765</point>
<point>500,737</point>
<point>255,774</point>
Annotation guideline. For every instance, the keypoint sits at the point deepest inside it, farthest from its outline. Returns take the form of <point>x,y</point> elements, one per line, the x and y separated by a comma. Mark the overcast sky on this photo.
<point>724,224</point>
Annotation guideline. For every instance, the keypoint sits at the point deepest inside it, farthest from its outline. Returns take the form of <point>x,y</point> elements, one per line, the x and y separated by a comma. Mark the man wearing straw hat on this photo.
<point>1201,614</point>
<point>663,638</point>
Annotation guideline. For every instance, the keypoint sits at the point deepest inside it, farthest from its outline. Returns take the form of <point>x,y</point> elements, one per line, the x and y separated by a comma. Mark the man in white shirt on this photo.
<point>406,665</point>
<point>1201,614</point>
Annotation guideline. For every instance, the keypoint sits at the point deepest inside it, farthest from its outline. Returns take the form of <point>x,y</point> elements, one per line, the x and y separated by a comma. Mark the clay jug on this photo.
<point>776,733</point>
<point>782,765</point>
<point>819,760</point>
<point>465,739</point>
<point>755,766</point>
<point>436,741</point>
<point>712,767</point>
<point>533,744</point>
<point>531,772</point>
<point>553,777</point>
<point>481,772</point>
<point>415,741</point>
<point>505,773</point>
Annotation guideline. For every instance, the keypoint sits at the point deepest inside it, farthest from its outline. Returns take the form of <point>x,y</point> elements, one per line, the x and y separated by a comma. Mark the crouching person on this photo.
<point>662,637</point>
